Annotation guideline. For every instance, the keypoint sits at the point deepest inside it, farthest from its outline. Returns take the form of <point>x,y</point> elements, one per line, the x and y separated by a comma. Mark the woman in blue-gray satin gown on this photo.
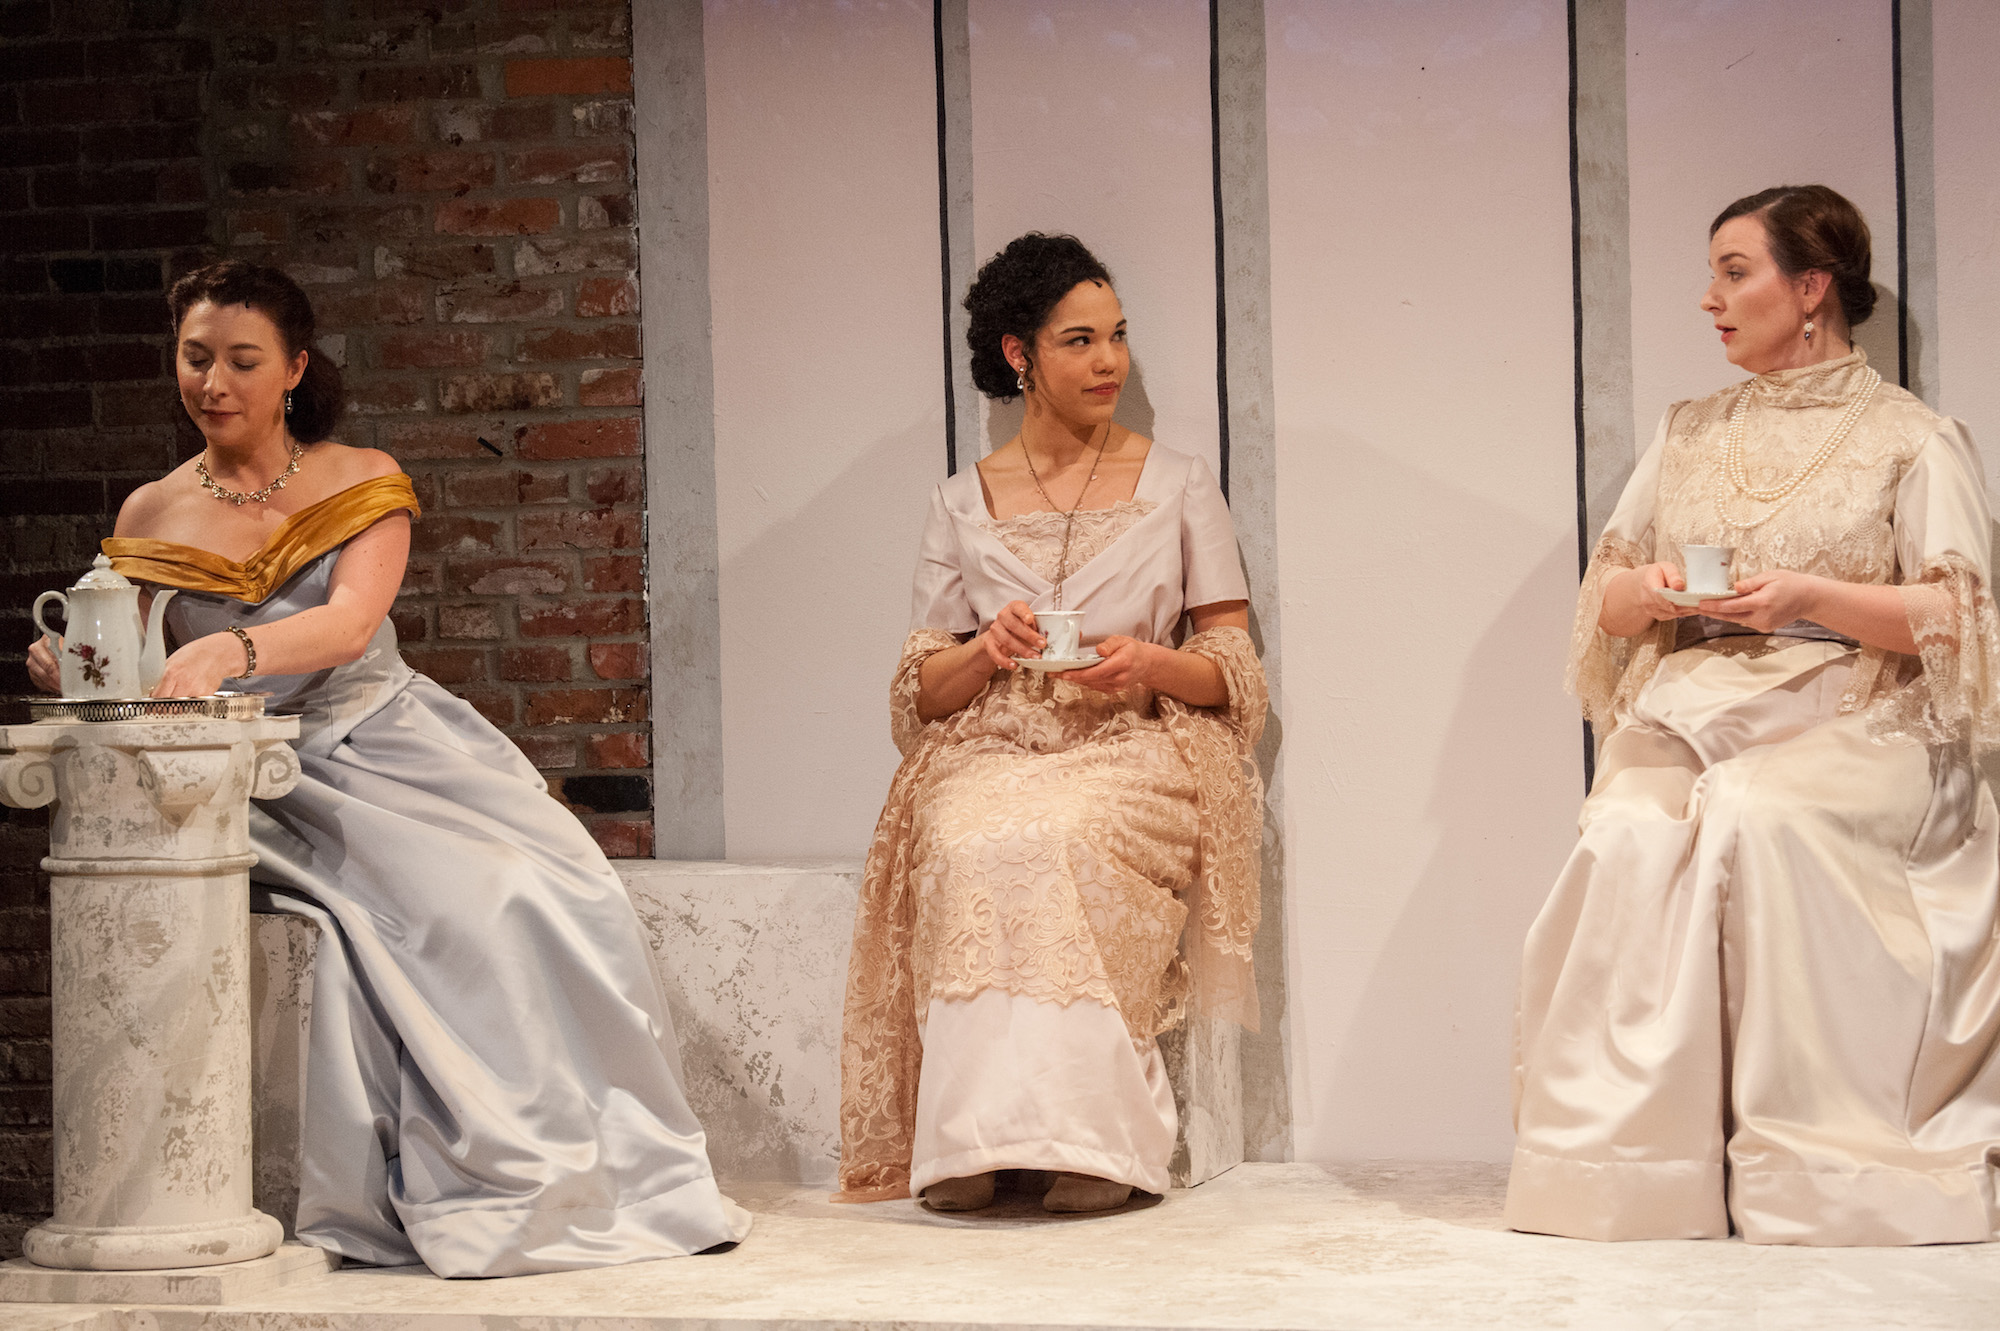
<point>493,1086</point>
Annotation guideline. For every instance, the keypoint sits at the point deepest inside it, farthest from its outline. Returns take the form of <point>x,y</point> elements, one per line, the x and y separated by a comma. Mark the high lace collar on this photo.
<point>1830,383</point>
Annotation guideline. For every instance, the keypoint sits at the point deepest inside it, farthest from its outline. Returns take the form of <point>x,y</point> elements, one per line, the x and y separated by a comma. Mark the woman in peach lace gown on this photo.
<point>1020,939</point>
<point>1765,993</point>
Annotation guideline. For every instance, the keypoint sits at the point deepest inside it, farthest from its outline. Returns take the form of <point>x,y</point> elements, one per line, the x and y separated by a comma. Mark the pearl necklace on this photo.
<point>242,497</point>
<point>1069,518</point>
<point>1738,472</point>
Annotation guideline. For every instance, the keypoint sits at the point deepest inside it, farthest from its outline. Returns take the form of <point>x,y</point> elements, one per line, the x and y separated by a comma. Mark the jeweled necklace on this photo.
<point>241,497</point>
<point>1738,472</point>
<point>1069,517</point>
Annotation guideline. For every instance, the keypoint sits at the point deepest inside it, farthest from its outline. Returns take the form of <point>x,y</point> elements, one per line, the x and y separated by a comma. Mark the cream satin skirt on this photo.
<point>1766,988</point>
<point>1010,1082</point>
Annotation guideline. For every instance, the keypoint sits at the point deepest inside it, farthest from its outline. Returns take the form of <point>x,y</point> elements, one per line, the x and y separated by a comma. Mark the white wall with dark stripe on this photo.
<point>1484,228</point>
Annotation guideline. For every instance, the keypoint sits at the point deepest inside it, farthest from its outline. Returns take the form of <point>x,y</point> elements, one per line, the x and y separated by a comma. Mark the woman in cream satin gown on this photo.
<point>492,1085</point>
<point>1020,939</point>
<point>1765,993</point>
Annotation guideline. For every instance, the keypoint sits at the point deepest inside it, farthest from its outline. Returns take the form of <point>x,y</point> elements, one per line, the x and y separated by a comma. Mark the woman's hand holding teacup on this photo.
<point>1769,600</point>
<point>1126,662</point>
<point>44,671</point>
<point>1012,633</point>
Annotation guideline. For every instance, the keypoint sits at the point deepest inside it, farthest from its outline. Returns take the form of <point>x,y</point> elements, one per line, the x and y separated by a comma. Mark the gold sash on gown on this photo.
<point>299,539</point>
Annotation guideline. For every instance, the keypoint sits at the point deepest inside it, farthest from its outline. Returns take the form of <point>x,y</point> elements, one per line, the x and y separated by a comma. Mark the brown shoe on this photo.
<point>1081,1192</point>
<point>960,1194</point>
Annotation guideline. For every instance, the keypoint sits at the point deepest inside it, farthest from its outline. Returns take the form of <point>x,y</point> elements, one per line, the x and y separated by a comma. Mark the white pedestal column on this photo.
<point>150,856</point>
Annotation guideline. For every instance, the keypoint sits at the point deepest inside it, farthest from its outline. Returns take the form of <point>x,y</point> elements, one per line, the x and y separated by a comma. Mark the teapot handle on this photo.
<point>54,638</point>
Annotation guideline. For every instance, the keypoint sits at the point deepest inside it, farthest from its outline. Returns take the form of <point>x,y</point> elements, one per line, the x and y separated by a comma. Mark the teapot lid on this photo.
<point>101,578</point>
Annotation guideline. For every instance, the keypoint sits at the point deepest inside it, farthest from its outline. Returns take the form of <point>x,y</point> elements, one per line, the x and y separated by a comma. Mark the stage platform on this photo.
<point>1265,1246</point>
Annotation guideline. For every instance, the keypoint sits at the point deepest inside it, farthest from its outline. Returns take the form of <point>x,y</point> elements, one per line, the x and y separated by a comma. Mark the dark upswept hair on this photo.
<point>318,401</point>
<point>1811,226</point>
<point>1015,292</point>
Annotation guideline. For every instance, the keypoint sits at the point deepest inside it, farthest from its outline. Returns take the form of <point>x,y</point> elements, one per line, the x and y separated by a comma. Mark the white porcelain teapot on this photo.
<point>106,653</point>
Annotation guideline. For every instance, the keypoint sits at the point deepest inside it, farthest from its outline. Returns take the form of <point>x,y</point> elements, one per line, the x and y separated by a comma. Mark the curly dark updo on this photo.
<point>317,402</point>
<point>1811,226</point>
<point>1015,292</point>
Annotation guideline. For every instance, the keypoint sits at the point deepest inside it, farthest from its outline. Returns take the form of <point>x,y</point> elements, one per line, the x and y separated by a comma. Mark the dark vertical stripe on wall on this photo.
<point>1902,197</point>
<point>944,243</point>
<point>1221,308</point>
<point>1576,369</point>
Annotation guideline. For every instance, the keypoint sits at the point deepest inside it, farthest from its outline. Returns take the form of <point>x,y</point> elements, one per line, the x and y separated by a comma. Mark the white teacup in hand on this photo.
<point>1708,568</point>
<point>1064,630</point>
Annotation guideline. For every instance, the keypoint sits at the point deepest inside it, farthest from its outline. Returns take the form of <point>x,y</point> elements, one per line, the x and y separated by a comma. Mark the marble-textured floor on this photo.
<point>1267,1246</point>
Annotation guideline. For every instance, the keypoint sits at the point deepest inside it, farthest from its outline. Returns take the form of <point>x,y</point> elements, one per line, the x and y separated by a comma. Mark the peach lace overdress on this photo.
<point>1764,994</point>
<point>1048,840</point>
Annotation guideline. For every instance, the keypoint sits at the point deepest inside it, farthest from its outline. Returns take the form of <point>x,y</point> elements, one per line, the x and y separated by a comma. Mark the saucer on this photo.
<point>1052,664</point>
<point>1684,599</point>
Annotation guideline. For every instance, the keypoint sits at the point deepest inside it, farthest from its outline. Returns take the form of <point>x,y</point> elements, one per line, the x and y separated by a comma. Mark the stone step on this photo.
<point>1265,1245</point>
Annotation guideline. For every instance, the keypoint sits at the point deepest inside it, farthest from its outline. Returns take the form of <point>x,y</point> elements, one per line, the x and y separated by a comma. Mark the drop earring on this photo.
<point>1023,380</point>
<point>1809,331</point>
<point>288,395</point>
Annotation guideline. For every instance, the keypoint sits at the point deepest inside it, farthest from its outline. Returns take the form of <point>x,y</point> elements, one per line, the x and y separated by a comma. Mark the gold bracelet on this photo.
<point>249,652</point>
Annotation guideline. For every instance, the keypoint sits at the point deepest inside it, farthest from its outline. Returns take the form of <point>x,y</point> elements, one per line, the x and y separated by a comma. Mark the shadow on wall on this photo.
<point>812,779</point>
<point>1433,1026</point>
<point>1135,413</point>
<point>1267,1086</point>
<point>1877,337</point>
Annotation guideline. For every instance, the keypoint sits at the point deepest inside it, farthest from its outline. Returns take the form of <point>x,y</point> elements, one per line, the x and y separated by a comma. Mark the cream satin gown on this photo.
<point>1765,992</point>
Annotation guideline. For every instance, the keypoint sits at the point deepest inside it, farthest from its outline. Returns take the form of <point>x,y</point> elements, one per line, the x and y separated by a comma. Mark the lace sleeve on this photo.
<point>1219,745</point>
<point>1597,660</point>
<point>1958,640</point>
<point>906,728</point>
<point>1943,548</point>
<point>1599,671</point>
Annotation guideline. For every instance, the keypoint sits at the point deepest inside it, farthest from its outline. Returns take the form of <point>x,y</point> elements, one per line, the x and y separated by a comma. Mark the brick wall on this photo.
<point>452,182</point>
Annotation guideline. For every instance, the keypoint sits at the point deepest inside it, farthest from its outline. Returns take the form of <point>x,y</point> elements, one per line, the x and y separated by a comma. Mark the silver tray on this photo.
<point>219,706</point>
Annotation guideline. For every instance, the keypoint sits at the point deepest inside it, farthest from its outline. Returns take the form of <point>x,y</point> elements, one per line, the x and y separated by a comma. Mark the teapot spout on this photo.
<point>153,658</point>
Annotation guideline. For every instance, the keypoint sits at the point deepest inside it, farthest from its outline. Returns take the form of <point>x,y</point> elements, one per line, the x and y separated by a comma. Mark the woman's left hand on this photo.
<point>198,669</point>
<point>1127,662</point>
<point>1768,600</point>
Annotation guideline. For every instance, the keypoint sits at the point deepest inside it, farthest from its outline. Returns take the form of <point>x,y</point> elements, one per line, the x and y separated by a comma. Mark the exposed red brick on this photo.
<point>616,485</point>
<point>603,297</point>
<point>448,665</point>
<point>259,226</point>
<point>432,439</point>
<point>604,529</point>
<point>367,126</point>
<point>612,437</point>
<point>413,173</point>
<point>499,305</point>
<point>438,263</point>
<point>622,839</point>
<point>586,164</point>
<point>587,619</point>
<point>508,577</point>
<point>548,752</point>
<point>498,217</point>
<point>600,342</point>
<point>497,705</point>
<point>456,534</point>
<point>556,707</point>
<point>431,348</point>
<point>614,573</point>
<point>498,392</point>
<point>610,388</point>
<point>538,665</point>
<point>620,660</point>
<point>624,748</point>
<point>543,78</point>
<point>476,621</point>
<point>562,254</point>
<point>377,305</point>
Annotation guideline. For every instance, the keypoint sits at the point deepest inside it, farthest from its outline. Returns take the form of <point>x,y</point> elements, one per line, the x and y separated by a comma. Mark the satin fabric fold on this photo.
<point>492,1083</point>
<point>1764,988</point>
<point>299,539</point>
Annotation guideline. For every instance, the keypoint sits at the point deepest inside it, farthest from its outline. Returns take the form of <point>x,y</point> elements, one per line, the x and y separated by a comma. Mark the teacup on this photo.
<point>1708,567</point>
<point>1064,630</point>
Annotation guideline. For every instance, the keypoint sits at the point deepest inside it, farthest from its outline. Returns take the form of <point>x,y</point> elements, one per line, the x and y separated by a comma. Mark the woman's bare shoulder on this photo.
<point>150,508</point>
<point>344,465</point>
